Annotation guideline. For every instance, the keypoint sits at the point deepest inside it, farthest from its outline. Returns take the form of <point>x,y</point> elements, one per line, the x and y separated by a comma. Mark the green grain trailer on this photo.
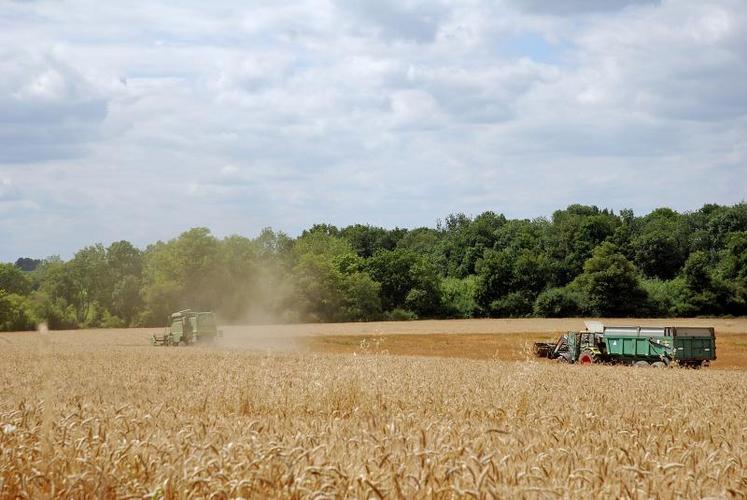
<point>634,345</point>
<point>188,327</point>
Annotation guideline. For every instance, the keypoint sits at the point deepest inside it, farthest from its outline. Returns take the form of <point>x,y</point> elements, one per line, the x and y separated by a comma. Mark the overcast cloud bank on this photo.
<point>139,120</point>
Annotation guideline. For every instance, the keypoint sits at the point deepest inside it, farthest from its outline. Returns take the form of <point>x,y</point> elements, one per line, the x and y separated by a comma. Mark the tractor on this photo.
<point>642,346</point>
<point>188,327</point>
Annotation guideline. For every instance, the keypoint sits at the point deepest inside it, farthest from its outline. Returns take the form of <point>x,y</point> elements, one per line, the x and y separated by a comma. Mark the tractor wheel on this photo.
<point>658,364</point>
<point>641,364</point>
<point>586,358</point>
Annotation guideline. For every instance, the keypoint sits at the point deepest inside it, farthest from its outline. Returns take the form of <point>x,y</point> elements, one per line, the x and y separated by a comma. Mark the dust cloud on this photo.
<point>265,338</point>
<point>262,316</point>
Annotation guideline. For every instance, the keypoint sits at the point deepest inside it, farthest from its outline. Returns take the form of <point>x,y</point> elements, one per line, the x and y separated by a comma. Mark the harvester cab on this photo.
<point>188,327</point>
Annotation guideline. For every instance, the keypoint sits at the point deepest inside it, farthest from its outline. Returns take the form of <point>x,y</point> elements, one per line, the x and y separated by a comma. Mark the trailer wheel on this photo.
<point>658,364</point>
<point>641,364</point>
<point>586,358</point>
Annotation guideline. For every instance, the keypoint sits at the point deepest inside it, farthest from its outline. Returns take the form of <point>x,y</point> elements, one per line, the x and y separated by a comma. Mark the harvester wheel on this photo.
<point>658,364</point>
<point>641,364</point>
<point>586,358</point>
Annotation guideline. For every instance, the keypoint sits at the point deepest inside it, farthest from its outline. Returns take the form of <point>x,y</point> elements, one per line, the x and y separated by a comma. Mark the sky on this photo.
<point>138,120</point>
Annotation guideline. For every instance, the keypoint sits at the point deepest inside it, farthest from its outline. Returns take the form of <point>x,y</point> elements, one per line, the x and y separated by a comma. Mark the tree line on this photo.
<point>582,261</point>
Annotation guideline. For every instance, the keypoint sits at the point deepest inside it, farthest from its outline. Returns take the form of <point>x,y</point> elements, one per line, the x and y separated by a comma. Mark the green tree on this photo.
<point>558,303</point>
<point>466,240</point>
<point>723,221</point>
<point>733,271</point>
<point>458,297</point>
<point>508,282</point>
<point>330,285</point>
<point>55,299</point>
<point>424,296</point>
<point>272,245</point>
<point>494,280</point>
<point>361,300</point>
<point>704,292</point>
<point>575,233</point>
<point>408,281</point>
<point>367,240</point>
<point>660,246</point>
<point>667,297</point>
<point>91,282</point>
<point>181,274</point>
<point>609,284</point>
<point>15,313</point>
<point>13,280</point>
<point>27,264</point>
<point>324,229</point>
<point>519,235</point>
<point>124,266</point>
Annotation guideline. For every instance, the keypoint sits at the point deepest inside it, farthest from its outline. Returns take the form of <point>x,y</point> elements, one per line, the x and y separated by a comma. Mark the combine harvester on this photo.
<point>188,327</point>
<point>656,346</point>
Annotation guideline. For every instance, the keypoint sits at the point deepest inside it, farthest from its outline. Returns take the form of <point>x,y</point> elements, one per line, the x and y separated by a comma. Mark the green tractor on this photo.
<point>656,346</point>
<point>188,327</point>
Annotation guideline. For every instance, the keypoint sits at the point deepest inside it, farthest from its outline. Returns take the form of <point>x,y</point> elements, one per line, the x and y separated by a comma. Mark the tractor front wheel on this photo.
<point>586,358</point>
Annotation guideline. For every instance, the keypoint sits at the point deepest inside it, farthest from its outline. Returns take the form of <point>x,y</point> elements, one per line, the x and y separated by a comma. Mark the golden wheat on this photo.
<point>82,420</point>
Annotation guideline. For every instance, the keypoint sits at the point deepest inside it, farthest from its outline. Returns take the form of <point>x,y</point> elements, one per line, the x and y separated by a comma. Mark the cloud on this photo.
<point>408,20</point>
<point>8,191</point>
<point>686,68</point>
<point>47,109</point>
<point>570,7</point>
<point>140,121</point>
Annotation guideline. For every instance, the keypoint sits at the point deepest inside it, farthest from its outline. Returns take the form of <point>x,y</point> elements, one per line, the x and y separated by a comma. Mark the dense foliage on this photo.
<point>582,261</point>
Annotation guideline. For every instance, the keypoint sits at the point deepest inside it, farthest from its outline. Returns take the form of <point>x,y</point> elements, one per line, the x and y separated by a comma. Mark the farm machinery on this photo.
<point>656,346</point>
<point>188,327</point>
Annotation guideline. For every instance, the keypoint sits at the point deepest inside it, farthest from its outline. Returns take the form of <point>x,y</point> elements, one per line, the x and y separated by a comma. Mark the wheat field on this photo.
<point>80,417</point>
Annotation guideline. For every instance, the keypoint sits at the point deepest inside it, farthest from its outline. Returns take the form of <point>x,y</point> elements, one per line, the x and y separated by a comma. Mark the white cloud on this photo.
<point>47,108</point>
<point>142,120</point>
<point>8,190</point>
<point>570,7</point>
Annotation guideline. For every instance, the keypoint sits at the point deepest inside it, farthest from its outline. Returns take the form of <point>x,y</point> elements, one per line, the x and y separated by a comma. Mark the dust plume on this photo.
<point>251,314</point>
<point>263,338</point>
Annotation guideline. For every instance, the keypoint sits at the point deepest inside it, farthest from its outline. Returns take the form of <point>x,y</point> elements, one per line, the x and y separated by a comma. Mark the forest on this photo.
<point>581,261</point>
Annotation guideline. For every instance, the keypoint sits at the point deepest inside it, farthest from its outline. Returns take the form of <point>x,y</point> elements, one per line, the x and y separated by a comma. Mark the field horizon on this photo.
<point>506,339</point>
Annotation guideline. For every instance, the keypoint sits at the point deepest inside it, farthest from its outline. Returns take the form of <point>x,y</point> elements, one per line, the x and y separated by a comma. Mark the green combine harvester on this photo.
<point>657,346</point>
<point>188,327</point>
